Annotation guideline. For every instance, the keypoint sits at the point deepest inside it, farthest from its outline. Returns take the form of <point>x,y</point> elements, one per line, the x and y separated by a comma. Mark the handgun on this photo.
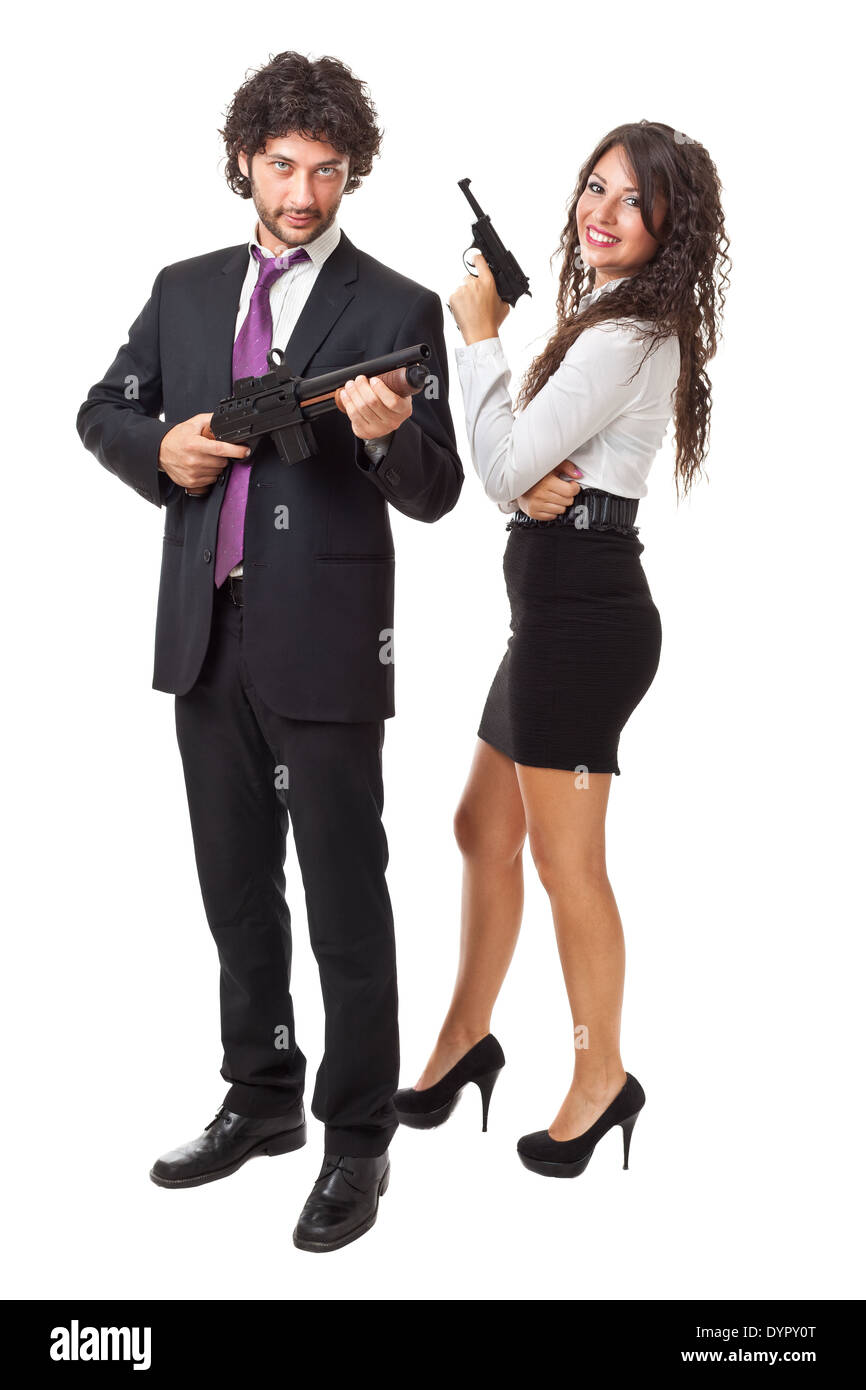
<point>282,405</point>
<point>509,279</point>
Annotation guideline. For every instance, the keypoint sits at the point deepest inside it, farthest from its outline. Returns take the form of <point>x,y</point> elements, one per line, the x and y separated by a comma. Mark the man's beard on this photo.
<point>269,219</point>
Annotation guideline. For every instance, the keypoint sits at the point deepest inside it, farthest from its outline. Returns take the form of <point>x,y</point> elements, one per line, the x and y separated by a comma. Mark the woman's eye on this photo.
<point>597,188</point>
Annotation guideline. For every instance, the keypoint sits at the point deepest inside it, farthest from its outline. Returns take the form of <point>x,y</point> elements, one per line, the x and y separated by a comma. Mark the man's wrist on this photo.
<point>376,449</point>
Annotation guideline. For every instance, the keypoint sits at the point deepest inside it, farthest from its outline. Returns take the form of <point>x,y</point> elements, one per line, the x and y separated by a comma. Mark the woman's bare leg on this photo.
<point>565,822</point>
<point>490,828</point>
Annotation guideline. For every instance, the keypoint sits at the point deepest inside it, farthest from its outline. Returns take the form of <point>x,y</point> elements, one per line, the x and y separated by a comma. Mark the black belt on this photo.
<point>591,509</point>
<point>233,590</point>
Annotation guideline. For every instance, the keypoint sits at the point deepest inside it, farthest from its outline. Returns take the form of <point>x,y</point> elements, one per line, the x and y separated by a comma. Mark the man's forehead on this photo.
<point>301,149</point>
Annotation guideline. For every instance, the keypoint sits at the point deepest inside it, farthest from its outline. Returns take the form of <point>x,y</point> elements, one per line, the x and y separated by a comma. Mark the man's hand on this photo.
<point>193,461</point>
<point>553,494</point>
<point>372,408</point>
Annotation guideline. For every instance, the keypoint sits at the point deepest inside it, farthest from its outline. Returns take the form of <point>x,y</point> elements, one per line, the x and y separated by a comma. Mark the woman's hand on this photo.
<point>553,495</point>
<point>478,311</point>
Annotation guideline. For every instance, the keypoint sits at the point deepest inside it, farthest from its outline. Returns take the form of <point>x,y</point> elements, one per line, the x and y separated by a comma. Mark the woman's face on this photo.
<point>613,238</point>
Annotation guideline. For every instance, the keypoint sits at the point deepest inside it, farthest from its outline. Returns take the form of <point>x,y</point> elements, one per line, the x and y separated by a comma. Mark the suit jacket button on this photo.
<point>207,556</point>
<point>391,475</point>
<point>221,477</point>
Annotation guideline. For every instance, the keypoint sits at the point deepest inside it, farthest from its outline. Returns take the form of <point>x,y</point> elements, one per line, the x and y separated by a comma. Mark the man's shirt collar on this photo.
<point>318,250</point>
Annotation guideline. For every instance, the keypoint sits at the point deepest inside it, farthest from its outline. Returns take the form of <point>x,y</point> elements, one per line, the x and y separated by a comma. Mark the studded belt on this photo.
<point>592,509</point>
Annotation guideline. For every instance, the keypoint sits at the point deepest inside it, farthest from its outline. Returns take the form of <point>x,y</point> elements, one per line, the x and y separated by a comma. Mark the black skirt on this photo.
<point>585,646</point>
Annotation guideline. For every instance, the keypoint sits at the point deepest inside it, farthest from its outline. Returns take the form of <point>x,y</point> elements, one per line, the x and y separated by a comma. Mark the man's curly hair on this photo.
<point>320,99</point>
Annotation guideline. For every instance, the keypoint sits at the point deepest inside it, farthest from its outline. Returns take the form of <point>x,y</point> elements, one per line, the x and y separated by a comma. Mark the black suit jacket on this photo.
<point>319,593</point>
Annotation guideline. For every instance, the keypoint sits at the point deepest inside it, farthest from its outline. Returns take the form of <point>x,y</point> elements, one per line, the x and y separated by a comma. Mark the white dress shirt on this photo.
<point>288,295</point>
<point>290,291</point>
<point>588,411</point>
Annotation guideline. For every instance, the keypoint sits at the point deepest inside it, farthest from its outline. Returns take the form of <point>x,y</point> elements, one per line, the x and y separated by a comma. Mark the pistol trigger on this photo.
<point>470,267</point>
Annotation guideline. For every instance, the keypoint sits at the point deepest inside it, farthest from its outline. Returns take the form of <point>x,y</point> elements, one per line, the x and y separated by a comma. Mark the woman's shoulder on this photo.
<point>620,351</point>
<point>622,339</point>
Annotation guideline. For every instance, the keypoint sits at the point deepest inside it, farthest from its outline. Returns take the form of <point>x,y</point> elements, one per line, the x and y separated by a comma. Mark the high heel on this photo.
<point>627,1127</point>
<point>431,1107</point>
<point>485,1085</point>
<point>568,1158</point>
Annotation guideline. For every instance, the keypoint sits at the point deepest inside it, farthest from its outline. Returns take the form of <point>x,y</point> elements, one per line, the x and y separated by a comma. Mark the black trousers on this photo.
<point>248,773</point>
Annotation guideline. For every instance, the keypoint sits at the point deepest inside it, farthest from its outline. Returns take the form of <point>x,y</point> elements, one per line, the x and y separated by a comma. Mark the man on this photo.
<point>275,617</point>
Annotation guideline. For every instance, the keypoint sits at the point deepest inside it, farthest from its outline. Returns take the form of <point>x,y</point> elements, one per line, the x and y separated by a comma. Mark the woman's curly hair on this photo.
<point>320,99</point>
<point>677,290</point>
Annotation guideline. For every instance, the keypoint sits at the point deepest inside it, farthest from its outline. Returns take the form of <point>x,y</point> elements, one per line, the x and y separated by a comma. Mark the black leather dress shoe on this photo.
<point>226,1143</point>
<point>344,1201</point>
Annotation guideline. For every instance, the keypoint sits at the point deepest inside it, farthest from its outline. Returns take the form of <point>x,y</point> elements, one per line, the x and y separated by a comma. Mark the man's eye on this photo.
<point>328,169</point>
<point>280,164</point>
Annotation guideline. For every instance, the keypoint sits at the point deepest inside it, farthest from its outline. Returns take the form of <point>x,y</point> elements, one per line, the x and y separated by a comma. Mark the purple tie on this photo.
<point>250,358</point>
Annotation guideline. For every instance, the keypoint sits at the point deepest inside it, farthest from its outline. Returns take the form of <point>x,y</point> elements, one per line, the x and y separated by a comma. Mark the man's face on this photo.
<point>297,185</point>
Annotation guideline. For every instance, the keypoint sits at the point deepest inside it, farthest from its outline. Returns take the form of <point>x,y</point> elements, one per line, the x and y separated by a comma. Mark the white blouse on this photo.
<point>588,411</point>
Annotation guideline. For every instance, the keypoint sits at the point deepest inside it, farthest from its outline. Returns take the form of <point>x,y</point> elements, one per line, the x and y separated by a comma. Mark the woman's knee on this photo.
<point>561,864</point>
<point>483,831</point>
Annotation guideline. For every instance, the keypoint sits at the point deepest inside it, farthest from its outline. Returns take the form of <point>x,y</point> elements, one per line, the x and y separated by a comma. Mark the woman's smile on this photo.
<point>596,237</point>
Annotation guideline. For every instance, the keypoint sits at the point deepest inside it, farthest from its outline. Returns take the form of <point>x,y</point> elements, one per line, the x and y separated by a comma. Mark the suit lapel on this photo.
<point>221,315</point>
<point>333,289</point>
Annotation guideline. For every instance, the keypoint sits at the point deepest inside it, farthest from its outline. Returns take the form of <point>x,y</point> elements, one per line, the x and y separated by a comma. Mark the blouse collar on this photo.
<point>591,296</point>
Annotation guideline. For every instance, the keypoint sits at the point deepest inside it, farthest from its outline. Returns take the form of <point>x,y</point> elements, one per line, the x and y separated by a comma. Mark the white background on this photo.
<point>735,838</point>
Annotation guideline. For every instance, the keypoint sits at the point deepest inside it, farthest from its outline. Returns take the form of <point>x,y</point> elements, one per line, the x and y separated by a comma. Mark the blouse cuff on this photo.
<point>481,351</point>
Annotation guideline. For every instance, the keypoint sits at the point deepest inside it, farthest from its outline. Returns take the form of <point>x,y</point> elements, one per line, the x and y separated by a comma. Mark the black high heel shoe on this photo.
<point>431,1107</point>
<point>566,1158</point>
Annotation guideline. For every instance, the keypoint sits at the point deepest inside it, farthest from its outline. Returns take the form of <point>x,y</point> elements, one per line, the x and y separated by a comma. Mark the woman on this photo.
<point>636,324</point>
